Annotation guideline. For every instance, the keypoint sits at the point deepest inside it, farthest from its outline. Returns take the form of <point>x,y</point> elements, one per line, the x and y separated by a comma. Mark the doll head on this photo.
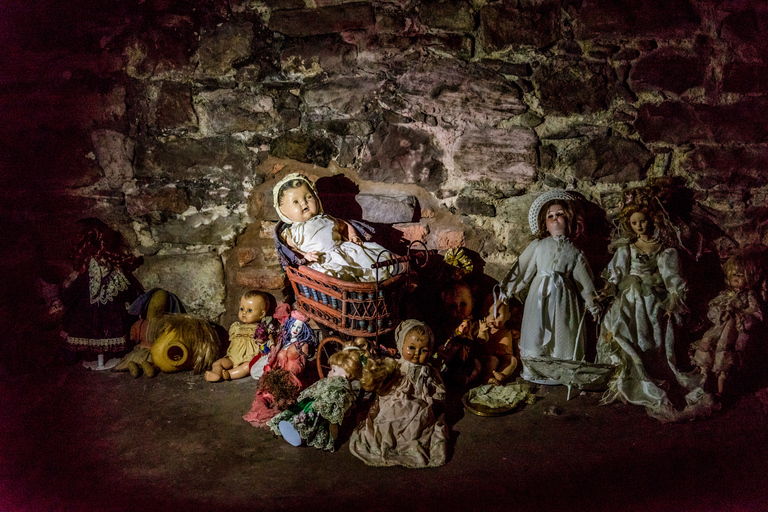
<point>555,213</point>
<point>185,342</point>
<point>741,272</point>
<point>296,331</point>
<point>458,301</point>
<point>103,243</point>
<point>253,307</point>
<point>414,341</point>
<point>295,199</point>
<point>637,219</point>
<point>349,362</point>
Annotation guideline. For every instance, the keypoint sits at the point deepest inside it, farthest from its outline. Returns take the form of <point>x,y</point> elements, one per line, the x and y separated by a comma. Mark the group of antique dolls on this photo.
<point>638,308</point>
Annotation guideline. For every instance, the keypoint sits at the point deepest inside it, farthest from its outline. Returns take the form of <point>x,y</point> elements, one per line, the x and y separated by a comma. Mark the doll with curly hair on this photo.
<point>733,313</point>
<point>321,408</point>
<point>97,294</point>
<point>639,329</point>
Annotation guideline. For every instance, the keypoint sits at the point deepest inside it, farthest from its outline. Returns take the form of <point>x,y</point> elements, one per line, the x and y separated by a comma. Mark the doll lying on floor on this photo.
<point>324,243</point>
<point>316,418</point>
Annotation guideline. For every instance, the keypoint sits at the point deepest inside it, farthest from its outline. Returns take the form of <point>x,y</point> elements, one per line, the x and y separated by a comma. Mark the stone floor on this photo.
<point>79,440</point>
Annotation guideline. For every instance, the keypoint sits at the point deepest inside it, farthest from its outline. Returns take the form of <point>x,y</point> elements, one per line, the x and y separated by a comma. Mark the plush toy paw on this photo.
<point>150,370</point>
<point>134,369</point>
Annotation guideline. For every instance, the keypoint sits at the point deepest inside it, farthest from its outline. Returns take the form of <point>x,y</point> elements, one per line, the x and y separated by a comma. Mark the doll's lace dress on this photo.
<point>638,337</point>
<point>558,281</point>
<point>324,402</point>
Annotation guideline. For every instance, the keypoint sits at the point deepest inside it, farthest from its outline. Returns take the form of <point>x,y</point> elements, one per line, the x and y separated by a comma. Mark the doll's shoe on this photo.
<point>134,369</point>
<point>150,370</point>
<point>289,433</point>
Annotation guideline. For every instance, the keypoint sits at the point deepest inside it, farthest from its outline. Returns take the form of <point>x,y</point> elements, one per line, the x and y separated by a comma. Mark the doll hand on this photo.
<point>312,256</point>
<point>482,330</point>
<point>356,239</point>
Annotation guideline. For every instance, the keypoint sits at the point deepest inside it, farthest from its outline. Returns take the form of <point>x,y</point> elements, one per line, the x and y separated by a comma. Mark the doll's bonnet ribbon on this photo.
<point>286,179</point>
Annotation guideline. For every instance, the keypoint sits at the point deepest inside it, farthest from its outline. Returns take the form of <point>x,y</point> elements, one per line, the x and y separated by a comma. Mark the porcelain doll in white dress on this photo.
<point>328,245</point>
<point>638,332</point>
<point>558,281</point>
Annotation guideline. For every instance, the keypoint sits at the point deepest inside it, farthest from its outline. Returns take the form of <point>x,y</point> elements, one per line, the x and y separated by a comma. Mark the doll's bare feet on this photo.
<point>225,375</point>
<point>212,377</point>
<point>493,381</point>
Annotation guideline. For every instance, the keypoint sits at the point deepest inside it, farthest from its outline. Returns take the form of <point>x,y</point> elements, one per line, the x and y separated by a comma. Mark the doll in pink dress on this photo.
<point>733,313</point>
<point>406,426</point>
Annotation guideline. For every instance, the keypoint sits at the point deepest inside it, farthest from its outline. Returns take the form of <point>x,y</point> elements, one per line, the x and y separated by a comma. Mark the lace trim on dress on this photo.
<point>105,284</point>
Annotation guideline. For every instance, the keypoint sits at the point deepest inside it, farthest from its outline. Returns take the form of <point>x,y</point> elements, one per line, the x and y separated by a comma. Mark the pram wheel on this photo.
<point>329,346</point>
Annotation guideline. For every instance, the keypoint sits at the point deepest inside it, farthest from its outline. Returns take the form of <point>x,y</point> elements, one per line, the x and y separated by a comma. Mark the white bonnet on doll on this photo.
<point>405,327</point>
<point>538,204</point>
<point>286,179</point>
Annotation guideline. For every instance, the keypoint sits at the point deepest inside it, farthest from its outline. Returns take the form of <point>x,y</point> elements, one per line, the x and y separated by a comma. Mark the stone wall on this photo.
<point>170,120</point>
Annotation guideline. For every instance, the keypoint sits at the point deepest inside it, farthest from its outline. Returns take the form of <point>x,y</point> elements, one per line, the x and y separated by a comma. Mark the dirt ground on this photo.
<point>79,440</point>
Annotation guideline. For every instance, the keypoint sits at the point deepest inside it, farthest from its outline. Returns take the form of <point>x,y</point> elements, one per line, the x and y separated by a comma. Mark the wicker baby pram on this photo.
<point>345,310</point>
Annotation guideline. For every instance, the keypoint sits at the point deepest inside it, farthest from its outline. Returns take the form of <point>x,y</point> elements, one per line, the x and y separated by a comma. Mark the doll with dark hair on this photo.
<point>557,279</point>
<point>734,313</point>
<point>321,408</point>
<point>639,329</point>
<point>406,426</point>
<point>98,293</point>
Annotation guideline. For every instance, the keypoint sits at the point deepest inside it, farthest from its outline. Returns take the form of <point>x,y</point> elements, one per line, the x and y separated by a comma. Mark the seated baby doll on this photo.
<point>501,344</point>
<point>734,313</point>
<point>406,426</point>
<point>251,336</point>
<point>321,408</point>
<point>328,245</point>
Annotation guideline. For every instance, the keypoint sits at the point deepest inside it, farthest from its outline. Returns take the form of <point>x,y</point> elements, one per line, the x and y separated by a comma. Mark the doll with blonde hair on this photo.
<point>326,244</point>
<point>639,329</point>
<point>733,313</point>
<point>253,335</point>
<point>321,407</point>
<point>406,426</point>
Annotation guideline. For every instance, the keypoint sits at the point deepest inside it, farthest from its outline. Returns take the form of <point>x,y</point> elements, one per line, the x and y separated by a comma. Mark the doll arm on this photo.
<point>582,274</point>
<point>669,268</point>
<point>348,231</point>
<point>308,256</point>
<point>521,274</point>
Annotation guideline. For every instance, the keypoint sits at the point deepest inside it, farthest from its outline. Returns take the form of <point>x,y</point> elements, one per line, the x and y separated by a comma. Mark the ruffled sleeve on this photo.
<point>669,268</point>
